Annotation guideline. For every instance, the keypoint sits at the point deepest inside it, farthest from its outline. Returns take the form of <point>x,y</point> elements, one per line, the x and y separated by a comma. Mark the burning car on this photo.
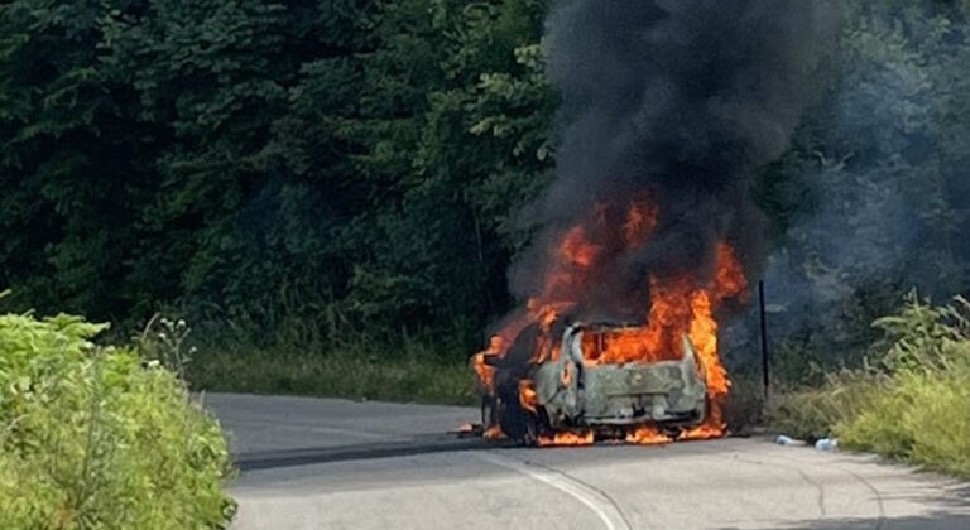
<point>580,390</point>
<point>599,355</point>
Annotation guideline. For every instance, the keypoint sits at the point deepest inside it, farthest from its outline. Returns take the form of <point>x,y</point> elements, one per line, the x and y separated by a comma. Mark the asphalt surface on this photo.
<point>330,464</point>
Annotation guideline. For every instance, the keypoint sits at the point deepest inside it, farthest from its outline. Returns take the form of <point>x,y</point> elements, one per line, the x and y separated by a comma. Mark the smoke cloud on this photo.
<point>676,102</point>
<point>883,191</point>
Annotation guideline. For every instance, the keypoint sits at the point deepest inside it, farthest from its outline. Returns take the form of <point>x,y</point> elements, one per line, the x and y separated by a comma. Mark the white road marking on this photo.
<point>606,512</point>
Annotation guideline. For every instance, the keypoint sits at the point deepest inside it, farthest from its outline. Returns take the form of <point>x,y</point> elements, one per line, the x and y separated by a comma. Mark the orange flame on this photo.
<point>678,306</point>
<point>560,439</point>
<point>577,250</point>
<point>647,436</point>
<point>641,221</point>
<point>729,281</point>
<point>485,373</point>
<point>528,398</point>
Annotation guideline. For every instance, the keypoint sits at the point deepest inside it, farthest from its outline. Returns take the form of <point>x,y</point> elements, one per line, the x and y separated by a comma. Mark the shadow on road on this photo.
<point>935,521</point>
<point>259,460</point>
<point>320,455</point>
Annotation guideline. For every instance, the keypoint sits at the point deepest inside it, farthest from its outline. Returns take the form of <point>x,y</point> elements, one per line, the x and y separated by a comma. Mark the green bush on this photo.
<point>913,405</point>
<point>922,417</point>
<point>92,438</point>
<point>811,413</point>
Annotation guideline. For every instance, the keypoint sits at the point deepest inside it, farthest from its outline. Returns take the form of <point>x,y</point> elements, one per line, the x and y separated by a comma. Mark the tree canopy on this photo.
<point>344,166</point>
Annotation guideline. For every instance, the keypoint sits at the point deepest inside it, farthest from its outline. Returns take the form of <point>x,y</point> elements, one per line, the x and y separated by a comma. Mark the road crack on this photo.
<point>819,487</point>
<point>881,519</point>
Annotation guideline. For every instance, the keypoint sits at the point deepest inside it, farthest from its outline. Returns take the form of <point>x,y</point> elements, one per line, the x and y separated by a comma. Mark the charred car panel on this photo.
<point>574,391</point>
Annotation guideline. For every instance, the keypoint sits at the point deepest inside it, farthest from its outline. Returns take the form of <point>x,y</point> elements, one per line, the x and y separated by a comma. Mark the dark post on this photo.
<point>764,337</point>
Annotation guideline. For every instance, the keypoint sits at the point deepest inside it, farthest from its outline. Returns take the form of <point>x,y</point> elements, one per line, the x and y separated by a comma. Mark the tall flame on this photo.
<point>677,306</point>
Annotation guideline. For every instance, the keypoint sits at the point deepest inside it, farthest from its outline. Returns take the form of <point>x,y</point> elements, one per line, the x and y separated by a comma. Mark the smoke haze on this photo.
<point>676,102</point>
<point>882,184</point>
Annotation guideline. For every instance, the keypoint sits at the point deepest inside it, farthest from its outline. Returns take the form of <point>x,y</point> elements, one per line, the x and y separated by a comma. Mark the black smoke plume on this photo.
<point>681,100</point>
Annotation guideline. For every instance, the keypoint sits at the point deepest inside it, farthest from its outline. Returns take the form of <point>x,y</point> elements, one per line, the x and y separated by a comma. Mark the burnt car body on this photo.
<point>572,392</point>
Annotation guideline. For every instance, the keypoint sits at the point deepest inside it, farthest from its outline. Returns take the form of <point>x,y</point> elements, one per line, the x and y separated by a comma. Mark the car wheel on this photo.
<point>488,411</point>
<point>674,433</point>
<point>530,437</point>
<point>512,419</point>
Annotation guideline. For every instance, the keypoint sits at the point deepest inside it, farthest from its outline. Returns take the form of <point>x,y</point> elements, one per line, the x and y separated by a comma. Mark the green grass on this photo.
<point>812,413</point>
<point>922,418</point>
<point>744,408</point>
<point>911,405</point>
<point>412,378</point>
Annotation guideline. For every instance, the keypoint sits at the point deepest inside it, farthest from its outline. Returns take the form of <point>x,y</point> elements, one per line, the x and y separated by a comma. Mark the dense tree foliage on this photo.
<point>313,170</point>
<point>338,163</point>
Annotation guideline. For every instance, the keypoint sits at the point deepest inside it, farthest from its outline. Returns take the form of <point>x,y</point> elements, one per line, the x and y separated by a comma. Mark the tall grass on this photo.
<point>418,377</point>
<point>911,403</point>
<point>297,348</point>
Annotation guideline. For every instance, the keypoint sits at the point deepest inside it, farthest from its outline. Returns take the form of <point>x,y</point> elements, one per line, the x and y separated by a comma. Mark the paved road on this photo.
<point>369,466</point>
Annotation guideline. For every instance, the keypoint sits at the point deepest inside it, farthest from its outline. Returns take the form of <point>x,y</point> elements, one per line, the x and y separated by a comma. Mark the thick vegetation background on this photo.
<point>335,187</point>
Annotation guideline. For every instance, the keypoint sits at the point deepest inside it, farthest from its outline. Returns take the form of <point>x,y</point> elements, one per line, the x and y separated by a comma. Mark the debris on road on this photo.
<point>477,430</point>
<point>469,430</point>
<point>826,444</point>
